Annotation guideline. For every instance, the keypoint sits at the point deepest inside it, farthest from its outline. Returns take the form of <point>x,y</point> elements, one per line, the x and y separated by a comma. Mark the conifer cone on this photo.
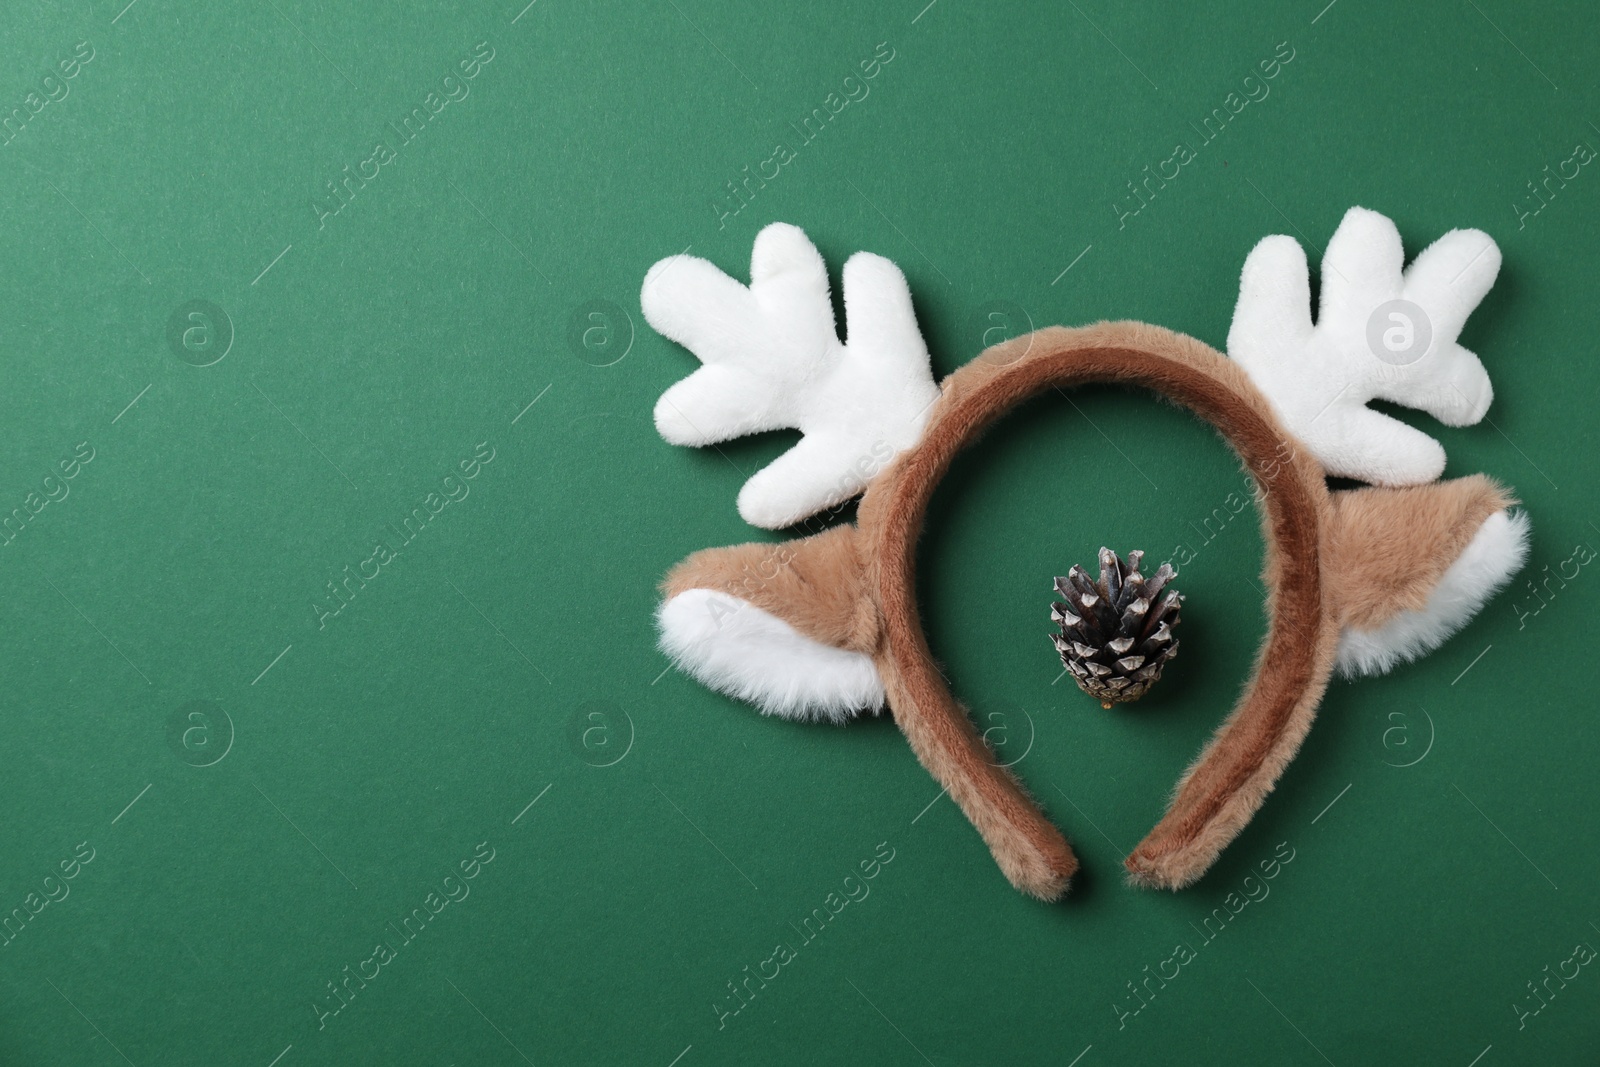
<point>1115,635</point>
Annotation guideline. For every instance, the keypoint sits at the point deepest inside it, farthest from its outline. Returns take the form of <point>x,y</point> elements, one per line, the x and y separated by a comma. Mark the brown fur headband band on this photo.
<point>829,624</point>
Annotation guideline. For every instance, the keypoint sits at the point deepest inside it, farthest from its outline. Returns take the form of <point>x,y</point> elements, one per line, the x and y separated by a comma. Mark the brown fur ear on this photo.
<point>817,585</point>
<point>1390,547</point>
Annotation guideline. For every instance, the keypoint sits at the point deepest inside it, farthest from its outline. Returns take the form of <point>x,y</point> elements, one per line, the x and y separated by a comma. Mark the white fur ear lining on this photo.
<point>734,647</point>
<point>1495,553</point>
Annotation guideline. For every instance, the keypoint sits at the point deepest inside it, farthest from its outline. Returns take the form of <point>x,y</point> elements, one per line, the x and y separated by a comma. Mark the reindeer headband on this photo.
<point>827,627</point>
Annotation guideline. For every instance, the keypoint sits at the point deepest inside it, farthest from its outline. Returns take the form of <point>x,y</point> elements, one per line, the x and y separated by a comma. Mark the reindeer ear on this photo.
<point>1412,566</point>
<point>788,627</point>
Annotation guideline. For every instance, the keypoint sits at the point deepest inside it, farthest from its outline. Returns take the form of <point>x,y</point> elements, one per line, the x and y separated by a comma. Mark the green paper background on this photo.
<point>1442,820</point>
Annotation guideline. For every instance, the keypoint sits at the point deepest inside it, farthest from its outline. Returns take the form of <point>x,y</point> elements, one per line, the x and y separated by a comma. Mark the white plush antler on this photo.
<point>1380,334</point>
<point>774,361</point>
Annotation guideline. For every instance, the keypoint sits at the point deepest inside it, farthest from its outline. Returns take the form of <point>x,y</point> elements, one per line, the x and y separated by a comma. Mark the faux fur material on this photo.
<point>815,589</point>
<point>773,360</point>
<point>1331,561</point>
<point>1382,333</point>
<point>1495,553</point>
<point>821,627</point>
<point>1227,784</point>
<point>734,647</point>
<point>818,584</point>
<point>1393,545</point>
